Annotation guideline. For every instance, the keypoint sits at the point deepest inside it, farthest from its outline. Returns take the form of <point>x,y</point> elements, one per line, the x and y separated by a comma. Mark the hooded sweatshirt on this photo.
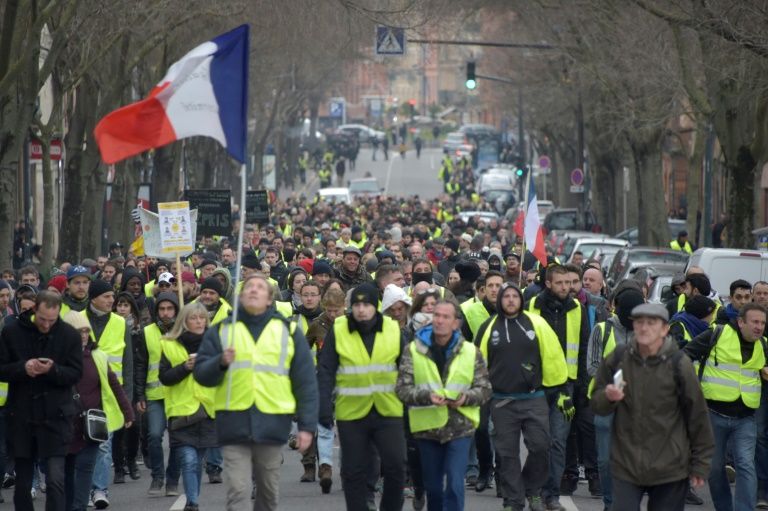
<point>141,362</point>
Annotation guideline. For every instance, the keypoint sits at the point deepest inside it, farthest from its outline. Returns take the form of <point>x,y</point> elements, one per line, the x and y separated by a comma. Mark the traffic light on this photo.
<point>519,172</point>
<point>412,107</point>
<point>471,79</point>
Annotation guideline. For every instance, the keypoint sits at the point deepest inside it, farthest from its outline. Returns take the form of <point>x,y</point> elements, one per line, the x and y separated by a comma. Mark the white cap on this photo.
<point>167,277</point>
<point>392,295</point>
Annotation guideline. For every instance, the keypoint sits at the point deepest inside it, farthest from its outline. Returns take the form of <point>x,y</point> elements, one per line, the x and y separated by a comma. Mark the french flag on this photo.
<point>534,236</point>
<point>205,94</point>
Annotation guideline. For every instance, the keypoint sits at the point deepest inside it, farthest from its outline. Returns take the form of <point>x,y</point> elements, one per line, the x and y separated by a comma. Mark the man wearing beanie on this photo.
<point>359,360</point>
<point>211,295</point>
<point>111,336</point>
<point>615,331</point>
<point>524,359</point>
<point>450,257</point>
<point>694,319</point>
<point>150,393</point>
<point>321,272</point>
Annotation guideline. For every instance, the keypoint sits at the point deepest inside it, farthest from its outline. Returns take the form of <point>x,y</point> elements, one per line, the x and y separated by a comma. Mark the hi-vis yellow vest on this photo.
<point>115,419</point>
<point>184,398</point>
<point>572,336</point>
<point>675,245</point>
<point>461,373</point>
<point>362,380</point>
<point>154,389</point>
<point>112,342</point>
<point>222,313</point>
<point>608,347</point>
<point>284,308</point>
<point>260,373</point>
<point>475,314</point>
<point>3,393</point>
<point>726,378</point>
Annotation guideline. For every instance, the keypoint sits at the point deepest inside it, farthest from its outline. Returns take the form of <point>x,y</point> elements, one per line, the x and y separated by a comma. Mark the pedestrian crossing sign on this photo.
<point>390,40</point>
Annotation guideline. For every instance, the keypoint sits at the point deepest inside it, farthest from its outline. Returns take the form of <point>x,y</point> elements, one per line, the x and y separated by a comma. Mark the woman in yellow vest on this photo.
<point>443,381</point>
<point>188,405</point>
<point>98,388</point>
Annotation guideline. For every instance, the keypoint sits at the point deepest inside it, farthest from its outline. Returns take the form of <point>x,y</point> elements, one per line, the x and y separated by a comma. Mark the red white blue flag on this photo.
<point>534,236</point>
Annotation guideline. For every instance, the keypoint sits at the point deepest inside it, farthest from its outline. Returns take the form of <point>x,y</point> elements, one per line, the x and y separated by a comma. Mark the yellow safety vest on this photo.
<point>461,373</point>
<point>112,342</point>
<point>260,373</point>
<point>148,288</point>
<point>154,391</point>
<point>553,367</point>
<point>572,335</point>
<point>115,419</point>
<point>3,393</point>
<point>726,378</point>
<point>222,313</point>
<point>675,245</point>
<point>474,314</point>
<point>363,380</point>
<point>185,398</point>
<point>681,299</point>
<point>284,308</point>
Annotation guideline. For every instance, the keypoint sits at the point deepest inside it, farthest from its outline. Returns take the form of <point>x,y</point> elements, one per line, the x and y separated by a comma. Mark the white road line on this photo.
<point>567,503</point>
<point>432,163</point>
<point>389,174</point>
<point>179,504</point>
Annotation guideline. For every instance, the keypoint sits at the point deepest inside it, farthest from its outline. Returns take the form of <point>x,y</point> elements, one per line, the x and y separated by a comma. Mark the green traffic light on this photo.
<point>519,172</point>
<point>471,84</point>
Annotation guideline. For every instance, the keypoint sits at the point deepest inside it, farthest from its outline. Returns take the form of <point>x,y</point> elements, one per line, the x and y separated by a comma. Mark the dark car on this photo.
<point>628,260</point>
<point>571,219</point>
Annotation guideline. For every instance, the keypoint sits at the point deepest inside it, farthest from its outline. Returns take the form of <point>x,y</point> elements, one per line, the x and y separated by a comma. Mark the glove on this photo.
<point>565,405</point>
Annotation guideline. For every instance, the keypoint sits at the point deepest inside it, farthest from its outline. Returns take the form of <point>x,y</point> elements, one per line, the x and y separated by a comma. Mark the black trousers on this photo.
<point>388,436</point>
<point>581,445</point>
<point>664,497</point>
<point>483,443</point>
<point>54,481</point>
<point>125,447</point>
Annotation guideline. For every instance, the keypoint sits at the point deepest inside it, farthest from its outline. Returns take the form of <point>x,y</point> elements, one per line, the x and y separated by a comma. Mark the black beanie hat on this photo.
<point>417,277</point>
<point>98,287</point>
<point>365,293</point>
<point>700,306</point>
<point>214,284</point>
<point>625,301</point>
<point>468,270</point>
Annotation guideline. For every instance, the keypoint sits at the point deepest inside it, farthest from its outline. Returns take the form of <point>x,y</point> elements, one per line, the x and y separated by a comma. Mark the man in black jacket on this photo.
<point>41,359</point>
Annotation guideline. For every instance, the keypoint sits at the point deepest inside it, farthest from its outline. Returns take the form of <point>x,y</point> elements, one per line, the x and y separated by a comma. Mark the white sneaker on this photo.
<point>762,504</point>
<point>100,499</point>
<point>34,494</point>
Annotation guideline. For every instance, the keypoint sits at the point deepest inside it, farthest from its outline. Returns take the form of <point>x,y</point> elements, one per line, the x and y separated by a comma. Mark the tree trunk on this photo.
<point>741,185</point>
<point>693,186</point>
<point>652,216</point>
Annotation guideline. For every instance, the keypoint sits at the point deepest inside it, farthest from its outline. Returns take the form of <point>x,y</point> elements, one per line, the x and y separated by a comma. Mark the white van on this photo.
<point>335,195</point>
<point>724,265</point>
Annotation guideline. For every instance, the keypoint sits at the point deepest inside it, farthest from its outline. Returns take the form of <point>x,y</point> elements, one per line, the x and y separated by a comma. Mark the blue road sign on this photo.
<point>390,40</point>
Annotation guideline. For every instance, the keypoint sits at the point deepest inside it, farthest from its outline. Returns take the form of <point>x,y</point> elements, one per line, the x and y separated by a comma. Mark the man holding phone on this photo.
<point>662,404</point>
<point>41,359</point>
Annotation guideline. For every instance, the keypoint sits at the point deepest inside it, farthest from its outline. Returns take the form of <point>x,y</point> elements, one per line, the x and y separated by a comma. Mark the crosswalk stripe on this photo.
<point>567,503</point>
<point>179,504</point>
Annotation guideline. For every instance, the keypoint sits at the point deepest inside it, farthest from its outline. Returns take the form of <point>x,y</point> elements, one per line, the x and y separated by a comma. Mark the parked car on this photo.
<point>456,143</point>
<point>632,235</point>
<point>570,219</point>
<point>629,259</point>
<point>495,182</point>
<point>661,290</point>
<point>363,132</point>
<point>544,206</point>
<point>365,187</point>
<point>556,239</point>
<point>724,265</point>
<point>486,216</point>
<point>597,245</point>
<point>335,195</point>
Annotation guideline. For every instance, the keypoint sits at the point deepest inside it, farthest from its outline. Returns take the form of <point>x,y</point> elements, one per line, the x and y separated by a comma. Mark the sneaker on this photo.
<point>471,481</point>
<point>535,504</point>
<point>731,473</point>
<point>156,487</point>
<point>191,507</point>
<point>694,500</point>
<point>9,480</point>
<point>133,471</point>
<point>34,493</point>
<point>119,478</point>
<point>100,499</point>
<point>215,477</point>
<point>419,500</point>
<point>171,489</point>
<point>554,505</point>
<point>761,503</point>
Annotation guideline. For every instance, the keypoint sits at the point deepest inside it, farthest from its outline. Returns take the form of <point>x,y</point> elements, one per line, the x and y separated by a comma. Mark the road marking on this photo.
<point>389,174</point>
<point>567,503</point>
<point>180,503</point>
<point>432,163</point>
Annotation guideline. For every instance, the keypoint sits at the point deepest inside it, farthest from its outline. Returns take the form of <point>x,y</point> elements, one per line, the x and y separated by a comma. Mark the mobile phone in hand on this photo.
<point>618,379</point>
<point>44,360</point>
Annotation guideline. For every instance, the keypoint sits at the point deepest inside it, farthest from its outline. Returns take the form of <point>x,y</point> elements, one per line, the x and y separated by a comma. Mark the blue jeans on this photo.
<point>156,424</point>
<point>324,445</point>
<point>741,435</point>
<point>102,470</point>
<point>761,449</point>
<point>444,462</point>
<point>559,428</point>
<point>603,427</point>
<point>190,459</point>
<point>78,472</point>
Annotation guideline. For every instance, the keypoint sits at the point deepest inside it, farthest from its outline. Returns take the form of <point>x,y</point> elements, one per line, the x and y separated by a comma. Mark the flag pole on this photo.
<point>527,189</point>
<point>239,262</point>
